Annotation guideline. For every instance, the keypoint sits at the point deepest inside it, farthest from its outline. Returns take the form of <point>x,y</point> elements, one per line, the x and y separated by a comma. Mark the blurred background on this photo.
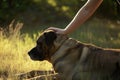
<point>36,12</point>
<point>21,22</point>
<point>37,15</point>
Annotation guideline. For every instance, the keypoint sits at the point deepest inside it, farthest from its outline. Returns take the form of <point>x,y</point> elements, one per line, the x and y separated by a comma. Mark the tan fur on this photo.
<point>93,64</point>
<point>74,60</point>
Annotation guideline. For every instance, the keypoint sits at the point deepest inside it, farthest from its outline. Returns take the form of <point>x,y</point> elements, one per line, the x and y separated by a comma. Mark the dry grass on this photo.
<point>13,52</point>
<point>14,45</point>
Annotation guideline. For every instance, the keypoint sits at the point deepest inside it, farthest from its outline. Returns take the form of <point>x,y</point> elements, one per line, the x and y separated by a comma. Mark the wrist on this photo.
<point>65,31</point>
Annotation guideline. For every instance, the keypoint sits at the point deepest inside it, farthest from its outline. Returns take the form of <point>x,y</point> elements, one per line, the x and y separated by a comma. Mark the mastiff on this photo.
<point>74,60</point>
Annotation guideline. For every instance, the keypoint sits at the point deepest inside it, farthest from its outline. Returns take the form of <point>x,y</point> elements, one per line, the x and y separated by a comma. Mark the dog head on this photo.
<point>44,46</point>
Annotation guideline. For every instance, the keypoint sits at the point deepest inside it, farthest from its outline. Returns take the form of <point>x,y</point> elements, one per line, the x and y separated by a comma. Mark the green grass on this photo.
<point>14,45</point>
<point>102,33</point>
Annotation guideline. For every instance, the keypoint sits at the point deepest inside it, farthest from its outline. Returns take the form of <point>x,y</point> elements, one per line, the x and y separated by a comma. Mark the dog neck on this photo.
<point>60,40</point>
<point>57,44</point>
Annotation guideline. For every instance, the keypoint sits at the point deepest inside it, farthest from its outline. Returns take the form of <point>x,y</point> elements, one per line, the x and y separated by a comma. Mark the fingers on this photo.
<point>52,28</point>
<point>57,30</point>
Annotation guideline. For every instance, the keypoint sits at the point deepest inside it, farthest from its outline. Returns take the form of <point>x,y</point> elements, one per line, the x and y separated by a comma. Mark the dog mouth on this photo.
<point>33,58</point>
<point>35,55</point>
<point>36,58</point>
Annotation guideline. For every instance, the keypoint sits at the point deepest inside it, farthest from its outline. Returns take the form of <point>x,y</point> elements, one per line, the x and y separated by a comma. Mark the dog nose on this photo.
<point>29,53</point>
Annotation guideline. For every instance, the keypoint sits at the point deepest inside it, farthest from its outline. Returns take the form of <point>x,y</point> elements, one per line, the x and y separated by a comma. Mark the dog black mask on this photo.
<point>40,52</point>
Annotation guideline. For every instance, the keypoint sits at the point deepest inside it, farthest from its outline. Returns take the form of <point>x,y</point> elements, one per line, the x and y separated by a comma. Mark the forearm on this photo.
<point>82,15</point>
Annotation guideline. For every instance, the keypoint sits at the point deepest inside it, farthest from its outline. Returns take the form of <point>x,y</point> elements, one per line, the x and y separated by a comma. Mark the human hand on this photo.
<point>57,30</point>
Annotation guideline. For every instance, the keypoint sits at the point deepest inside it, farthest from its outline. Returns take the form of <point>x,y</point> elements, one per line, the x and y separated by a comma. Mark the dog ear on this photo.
<point>50,36</point>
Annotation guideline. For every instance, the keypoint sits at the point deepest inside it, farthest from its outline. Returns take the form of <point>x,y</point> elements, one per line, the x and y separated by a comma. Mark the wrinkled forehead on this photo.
<point>41,38</point>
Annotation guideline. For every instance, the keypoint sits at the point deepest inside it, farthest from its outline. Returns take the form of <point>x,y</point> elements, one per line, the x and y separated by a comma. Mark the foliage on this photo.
<point>109,9</point>
<point>53,9</point>
<point>9,9</point>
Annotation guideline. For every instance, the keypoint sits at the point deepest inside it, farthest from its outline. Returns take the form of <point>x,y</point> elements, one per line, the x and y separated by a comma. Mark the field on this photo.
<point>15,44</point>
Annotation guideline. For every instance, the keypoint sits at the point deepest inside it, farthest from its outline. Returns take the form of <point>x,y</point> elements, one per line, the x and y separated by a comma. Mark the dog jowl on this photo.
<point>77,60</point>
<point>44,44</point>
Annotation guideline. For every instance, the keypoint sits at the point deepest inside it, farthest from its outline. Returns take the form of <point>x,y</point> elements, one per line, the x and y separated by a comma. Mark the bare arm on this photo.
<point>82,15</point>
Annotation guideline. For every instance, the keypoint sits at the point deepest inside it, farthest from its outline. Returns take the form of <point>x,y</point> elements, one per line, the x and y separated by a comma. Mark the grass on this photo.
<point>102,33</point>
<point>13,52</point>
<point>14,45</point>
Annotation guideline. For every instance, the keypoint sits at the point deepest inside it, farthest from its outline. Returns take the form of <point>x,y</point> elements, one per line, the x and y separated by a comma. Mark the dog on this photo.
<point>74,60</point>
